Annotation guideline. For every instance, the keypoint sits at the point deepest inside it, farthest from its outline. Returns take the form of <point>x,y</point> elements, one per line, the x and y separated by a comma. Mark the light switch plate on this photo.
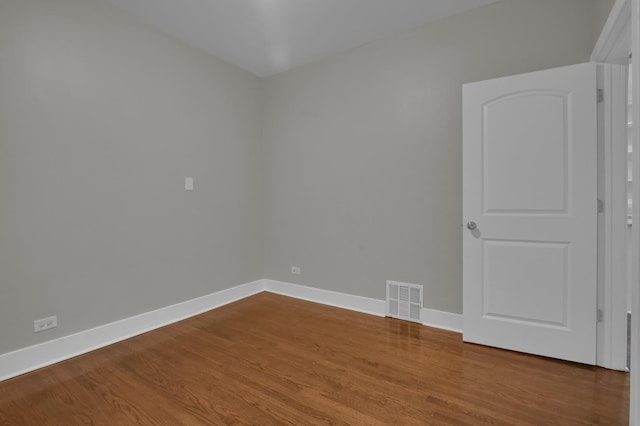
<point>188,183</point>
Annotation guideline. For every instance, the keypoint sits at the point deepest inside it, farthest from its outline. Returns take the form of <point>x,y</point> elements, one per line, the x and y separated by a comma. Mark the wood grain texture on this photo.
<point>270,359</point>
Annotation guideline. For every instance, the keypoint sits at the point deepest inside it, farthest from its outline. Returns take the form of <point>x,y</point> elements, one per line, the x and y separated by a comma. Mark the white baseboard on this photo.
<point>33,357</point>
<point>332,298</point>
<point>443,320</point>
<point>430,317</point>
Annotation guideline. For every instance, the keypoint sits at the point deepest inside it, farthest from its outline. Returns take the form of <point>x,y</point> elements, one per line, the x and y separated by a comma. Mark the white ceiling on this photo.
<point>269,36</point>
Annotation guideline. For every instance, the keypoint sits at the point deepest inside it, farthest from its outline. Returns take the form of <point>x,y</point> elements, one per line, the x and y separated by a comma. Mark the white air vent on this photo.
<point>404,301</point>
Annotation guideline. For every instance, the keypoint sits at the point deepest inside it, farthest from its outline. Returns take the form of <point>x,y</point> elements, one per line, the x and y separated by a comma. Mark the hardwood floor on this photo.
<point>270,359</point>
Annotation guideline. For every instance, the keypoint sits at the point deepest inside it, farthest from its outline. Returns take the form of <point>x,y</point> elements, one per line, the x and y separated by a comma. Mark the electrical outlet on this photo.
<point>45,323</point>
<point>295,270</point>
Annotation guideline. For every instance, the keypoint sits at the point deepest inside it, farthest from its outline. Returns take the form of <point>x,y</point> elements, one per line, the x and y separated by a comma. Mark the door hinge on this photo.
<point>600,206</point>
<point>600,315</point>
<point>600,95</point>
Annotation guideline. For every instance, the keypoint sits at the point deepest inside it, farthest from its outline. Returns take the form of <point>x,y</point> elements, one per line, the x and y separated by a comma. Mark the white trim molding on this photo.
<point>614,44</point>
<point>33,357</point>
<point>621,36</point>
<point>429,317</point>
<point>612,221</point>
<point>634,397</point>
<point>325,297</point>
<point>440,319</point>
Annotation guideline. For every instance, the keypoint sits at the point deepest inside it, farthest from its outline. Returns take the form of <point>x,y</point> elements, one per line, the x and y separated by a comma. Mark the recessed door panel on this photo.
<point>526,143</point>
<point>526,281</point>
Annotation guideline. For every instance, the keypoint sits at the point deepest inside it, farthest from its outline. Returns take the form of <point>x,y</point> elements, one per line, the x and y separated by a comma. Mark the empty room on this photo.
<point>363,212</point>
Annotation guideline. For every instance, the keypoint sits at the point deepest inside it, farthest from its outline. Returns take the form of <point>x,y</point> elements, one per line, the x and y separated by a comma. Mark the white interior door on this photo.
<point>530,212</point>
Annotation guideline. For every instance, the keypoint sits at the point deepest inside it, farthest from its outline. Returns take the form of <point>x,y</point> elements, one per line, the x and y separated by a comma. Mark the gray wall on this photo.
<point>363,151</point>
<point>601,13</point>
<point>101,118</point>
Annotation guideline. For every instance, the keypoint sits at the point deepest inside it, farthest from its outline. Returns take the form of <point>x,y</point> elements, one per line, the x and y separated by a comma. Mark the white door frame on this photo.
<point>612,221</point>
<point>612,50</point>
<point>634,413</point>
<point>621,35</point>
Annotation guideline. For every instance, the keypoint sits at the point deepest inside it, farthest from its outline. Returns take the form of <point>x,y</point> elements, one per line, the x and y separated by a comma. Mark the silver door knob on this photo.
<point>471,225</point>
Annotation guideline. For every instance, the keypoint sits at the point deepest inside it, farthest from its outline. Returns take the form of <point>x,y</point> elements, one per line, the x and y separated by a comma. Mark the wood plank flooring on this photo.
<point>270,359</point>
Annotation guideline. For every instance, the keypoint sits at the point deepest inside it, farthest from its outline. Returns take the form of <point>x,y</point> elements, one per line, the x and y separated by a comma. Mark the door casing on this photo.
<point>619,37</point>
